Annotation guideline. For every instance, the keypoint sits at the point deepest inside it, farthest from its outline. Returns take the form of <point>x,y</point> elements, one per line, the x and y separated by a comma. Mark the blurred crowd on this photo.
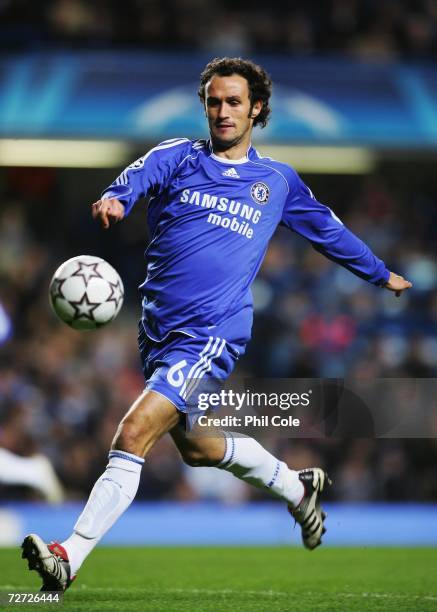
<point>370,29</point>
<point>63,392</point>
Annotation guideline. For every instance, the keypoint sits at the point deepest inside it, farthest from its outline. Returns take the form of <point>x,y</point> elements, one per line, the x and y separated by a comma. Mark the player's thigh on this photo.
<point>199,448</point>
<point>147,420</point>
<point>183,369</point>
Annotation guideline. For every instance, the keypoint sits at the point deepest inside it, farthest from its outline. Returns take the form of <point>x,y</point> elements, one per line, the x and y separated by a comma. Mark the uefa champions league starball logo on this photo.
<point>260,193</point>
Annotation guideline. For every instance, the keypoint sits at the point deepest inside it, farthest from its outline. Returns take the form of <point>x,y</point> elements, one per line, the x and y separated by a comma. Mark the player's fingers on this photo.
<point>398,284</point>
<point>116,212</point>
<point>117,215</point>
<point>104,217</point>
<point>108,211</point>
<point>95,208</point>
<point>404,284</point>
<point>100,211</point>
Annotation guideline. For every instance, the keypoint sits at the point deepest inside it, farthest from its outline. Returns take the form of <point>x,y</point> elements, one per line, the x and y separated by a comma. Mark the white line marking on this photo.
<point>269,593</point>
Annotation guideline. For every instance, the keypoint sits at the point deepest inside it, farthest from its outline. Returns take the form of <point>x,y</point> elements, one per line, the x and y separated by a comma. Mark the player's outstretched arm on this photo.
<point>108,211</point>
<point>397,284</point>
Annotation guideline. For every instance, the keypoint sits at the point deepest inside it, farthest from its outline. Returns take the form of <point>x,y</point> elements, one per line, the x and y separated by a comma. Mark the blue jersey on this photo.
<point>210,221</point>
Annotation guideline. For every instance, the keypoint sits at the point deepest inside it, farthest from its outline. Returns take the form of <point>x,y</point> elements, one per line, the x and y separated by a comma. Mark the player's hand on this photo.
<point>397,284</point>
<point>108,211</point>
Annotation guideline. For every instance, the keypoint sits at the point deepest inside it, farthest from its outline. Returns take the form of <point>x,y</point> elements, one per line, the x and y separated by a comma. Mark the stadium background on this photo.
<point>359,77</point>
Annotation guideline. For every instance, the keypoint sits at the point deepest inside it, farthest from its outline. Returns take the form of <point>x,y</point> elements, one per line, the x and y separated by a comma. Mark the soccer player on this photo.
<point>213,207</point>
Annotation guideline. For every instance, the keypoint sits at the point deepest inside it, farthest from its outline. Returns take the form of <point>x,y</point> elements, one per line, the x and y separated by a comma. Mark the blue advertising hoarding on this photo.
<point>143,96</point>
<point>261,524</point>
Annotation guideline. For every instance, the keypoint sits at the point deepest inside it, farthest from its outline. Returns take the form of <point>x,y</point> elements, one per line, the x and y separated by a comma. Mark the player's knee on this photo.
<point>129,438</point>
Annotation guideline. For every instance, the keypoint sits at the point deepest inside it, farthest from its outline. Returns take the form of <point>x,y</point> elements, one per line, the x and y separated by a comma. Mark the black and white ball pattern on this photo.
<point>86,292</point>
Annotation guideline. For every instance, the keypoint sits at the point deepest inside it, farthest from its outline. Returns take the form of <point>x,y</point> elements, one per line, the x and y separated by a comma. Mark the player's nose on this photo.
<point>223,110</point>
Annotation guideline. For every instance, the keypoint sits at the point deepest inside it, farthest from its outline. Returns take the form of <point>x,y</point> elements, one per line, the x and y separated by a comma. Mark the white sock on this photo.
<point>111,496</point>
<point>249,461</point>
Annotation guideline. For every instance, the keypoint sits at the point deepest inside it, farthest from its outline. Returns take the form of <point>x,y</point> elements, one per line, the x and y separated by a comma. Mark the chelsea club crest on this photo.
<point>260,193</point>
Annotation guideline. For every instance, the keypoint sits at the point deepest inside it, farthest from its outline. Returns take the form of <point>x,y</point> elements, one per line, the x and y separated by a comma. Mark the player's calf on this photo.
<point>201,450</point>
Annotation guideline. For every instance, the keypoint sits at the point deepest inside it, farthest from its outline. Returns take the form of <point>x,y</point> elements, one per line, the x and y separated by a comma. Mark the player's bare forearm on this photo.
<point>397,283</point>
<point>108,211</point>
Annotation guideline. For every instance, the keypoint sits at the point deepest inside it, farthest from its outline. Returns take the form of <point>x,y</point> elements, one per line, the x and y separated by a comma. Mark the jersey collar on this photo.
<point>231,162</point>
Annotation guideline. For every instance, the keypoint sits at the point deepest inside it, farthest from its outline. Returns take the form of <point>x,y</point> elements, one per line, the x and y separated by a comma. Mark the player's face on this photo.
<point>229,112</point>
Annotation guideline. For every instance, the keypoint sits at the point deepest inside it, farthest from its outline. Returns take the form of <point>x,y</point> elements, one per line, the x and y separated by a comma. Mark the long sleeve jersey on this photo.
<point>210,221</point>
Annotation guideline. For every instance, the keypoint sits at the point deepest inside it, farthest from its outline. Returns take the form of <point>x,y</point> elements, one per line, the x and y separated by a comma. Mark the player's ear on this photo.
<point>256,109</point>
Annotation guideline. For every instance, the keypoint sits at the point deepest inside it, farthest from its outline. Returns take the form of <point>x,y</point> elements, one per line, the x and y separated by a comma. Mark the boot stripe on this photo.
<point>310,516</point>
<point>311,523</point>
<point>314,529</point>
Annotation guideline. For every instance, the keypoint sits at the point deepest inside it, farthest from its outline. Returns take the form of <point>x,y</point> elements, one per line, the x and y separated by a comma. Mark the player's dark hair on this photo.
<point>260,84</point>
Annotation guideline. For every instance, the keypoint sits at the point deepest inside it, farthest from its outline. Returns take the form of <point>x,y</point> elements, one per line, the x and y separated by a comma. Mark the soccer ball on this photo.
<point>86,292</point>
